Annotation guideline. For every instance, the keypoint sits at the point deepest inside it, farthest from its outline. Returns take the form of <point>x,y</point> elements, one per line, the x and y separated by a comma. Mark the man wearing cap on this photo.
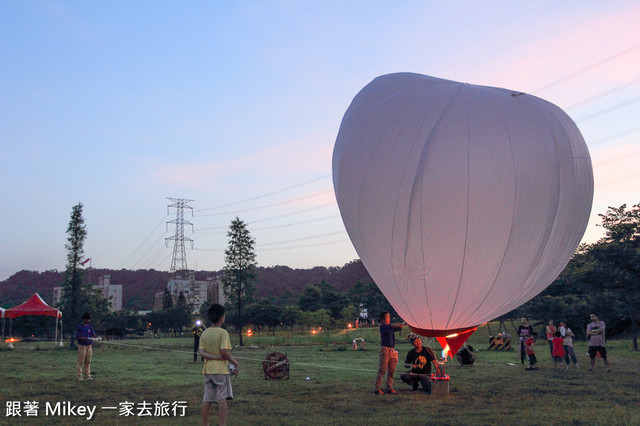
<point>388,357</point>
<point>419,361</point>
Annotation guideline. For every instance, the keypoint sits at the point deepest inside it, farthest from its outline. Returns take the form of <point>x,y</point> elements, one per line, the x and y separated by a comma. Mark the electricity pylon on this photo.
<point>179,260</point>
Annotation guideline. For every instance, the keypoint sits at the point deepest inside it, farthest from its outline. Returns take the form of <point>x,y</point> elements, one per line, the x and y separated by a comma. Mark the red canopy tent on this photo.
<point>35,306</point>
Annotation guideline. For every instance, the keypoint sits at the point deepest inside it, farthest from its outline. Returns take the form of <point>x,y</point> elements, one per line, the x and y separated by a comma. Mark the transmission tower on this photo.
<point>179,260</point>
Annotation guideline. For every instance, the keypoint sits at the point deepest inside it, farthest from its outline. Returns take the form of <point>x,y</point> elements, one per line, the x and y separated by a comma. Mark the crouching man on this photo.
<point>419,360</point>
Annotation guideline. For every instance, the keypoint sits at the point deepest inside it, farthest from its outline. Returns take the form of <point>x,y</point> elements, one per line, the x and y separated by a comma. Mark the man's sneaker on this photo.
<point>378,392</point>
<point>392,392</point>
<point>80,378</point>
<point>90,378</point>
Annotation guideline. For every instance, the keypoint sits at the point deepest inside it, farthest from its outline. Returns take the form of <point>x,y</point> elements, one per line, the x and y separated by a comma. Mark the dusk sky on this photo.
<point>236,105</point>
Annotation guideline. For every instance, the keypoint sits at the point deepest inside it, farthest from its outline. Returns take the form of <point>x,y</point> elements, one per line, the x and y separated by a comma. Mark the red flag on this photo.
<point>86,261</point>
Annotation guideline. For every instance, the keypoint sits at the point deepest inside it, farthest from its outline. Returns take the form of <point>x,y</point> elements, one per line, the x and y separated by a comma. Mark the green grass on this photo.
<point>339,389</point>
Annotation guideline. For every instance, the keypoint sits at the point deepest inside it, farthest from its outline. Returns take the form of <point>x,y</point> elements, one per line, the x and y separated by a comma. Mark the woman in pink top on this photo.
<point>551,330</point>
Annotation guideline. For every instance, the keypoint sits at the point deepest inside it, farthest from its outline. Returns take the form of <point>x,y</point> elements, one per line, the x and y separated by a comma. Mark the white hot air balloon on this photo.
<point>463,202</point>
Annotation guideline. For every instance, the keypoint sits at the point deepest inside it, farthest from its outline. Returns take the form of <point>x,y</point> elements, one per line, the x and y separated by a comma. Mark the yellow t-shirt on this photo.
<point>213,340</point>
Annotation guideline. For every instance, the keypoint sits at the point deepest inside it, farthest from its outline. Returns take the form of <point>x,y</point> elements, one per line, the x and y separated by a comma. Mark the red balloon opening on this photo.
<point>450,340</point>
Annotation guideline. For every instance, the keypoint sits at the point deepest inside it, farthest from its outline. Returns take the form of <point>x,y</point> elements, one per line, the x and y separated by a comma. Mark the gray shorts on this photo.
<point>217,387</point>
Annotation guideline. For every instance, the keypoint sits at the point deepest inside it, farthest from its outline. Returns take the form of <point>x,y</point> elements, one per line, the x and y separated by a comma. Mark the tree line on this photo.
<point>602,277</point>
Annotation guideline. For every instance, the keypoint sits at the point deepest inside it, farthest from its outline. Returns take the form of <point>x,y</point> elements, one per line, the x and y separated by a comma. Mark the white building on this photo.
<point>111,292</point>
<point>195,292</point>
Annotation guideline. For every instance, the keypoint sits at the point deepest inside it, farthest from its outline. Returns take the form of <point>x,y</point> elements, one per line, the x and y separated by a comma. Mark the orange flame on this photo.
<point>446,352</point>
<point>11,340</point>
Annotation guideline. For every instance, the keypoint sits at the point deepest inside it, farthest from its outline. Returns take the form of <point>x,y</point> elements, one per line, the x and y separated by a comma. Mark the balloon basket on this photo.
<point>439,385</point>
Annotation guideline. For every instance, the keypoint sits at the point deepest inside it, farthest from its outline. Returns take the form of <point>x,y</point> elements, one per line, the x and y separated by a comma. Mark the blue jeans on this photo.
<point>568,352</point>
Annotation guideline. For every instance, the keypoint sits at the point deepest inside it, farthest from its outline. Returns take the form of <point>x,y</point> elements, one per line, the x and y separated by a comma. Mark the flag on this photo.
<point>86,261</point>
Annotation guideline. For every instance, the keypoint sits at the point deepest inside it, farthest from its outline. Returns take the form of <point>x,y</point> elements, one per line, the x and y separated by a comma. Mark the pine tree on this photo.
<point>77,295</point>
<point>239,270</point>
<point>77,233</point>
<point>167,300</point>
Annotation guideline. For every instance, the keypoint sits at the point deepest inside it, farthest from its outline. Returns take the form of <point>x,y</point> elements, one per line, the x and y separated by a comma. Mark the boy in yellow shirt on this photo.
<point>215,348</point>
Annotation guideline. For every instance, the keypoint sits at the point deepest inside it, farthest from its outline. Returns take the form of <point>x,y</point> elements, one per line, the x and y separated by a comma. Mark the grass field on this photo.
<point>158,373</point>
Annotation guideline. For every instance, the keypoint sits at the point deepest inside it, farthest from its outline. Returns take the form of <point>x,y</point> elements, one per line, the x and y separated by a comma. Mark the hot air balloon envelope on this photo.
<point>462,201</point>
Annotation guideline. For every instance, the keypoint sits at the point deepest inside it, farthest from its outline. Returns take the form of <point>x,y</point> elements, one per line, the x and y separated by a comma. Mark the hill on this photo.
<point>139,287</point>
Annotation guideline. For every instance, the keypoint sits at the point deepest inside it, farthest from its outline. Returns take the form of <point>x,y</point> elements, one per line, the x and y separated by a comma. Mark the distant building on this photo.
<point>112,292</point>
<point>195,292</point>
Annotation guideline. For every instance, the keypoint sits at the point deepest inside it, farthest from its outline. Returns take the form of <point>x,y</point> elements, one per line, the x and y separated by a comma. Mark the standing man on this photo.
<point>419,360</point>
<point>524,330</point>
<point>215,348</point>
<point>197,332</point>
<point>388,355</point>
<point>597,342</point>
<point>85,336</point>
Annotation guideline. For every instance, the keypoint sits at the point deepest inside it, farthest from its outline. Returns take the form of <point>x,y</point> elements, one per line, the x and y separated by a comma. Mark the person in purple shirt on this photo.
<point>85,336</point>
<point>388,355</point>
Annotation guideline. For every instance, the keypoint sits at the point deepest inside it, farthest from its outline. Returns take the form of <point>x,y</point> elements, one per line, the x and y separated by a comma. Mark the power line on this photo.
<point>268,205</point>
<point>308,245</point>
<point>267,194</point>
<point>612,181</point>
<point>588,68</point>
<point>213,228</point>
<point>258,245</point>
<point>221,229</point>
<point>143,242</point>
<point>616,136</point>
<point>616,159</point>
<point>302,239</point>
<point>606,110</point>
<point>602,95</point>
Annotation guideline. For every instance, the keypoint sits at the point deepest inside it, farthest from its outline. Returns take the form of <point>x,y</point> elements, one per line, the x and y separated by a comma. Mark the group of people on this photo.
<point>560,341</point>
<point>418,359</point>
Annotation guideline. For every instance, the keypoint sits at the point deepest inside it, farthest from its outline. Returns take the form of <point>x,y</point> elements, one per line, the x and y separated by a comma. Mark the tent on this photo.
<point>35,306</point>
<point>2,316</point>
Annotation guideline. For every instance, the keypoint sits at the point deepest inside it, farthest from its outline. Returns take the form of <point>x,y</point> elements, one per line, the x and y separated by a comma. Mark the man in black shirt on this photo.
<point>197,332</point>
<point>419,360</point>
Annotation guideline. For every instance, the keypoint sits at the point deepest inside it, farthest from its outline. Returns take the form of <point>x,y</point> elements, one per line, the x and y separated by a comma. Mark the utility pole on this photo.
<point>179,260</point>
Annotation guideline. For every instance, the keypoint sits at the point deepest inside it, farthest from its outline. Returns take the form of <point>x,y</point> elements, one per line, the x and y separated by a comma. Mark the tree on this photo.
<point>263,314</point>
<point>167,300</point>
<point>78,295</point>
<point>617,261</point>
<point>311,299</point>
<point>77,233</point>
<point>603,277</point>
<point>179,315</point>
<point>239,269</point>
<point>368,296</point>
<point>349,313</point>
<point>291,315</point>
